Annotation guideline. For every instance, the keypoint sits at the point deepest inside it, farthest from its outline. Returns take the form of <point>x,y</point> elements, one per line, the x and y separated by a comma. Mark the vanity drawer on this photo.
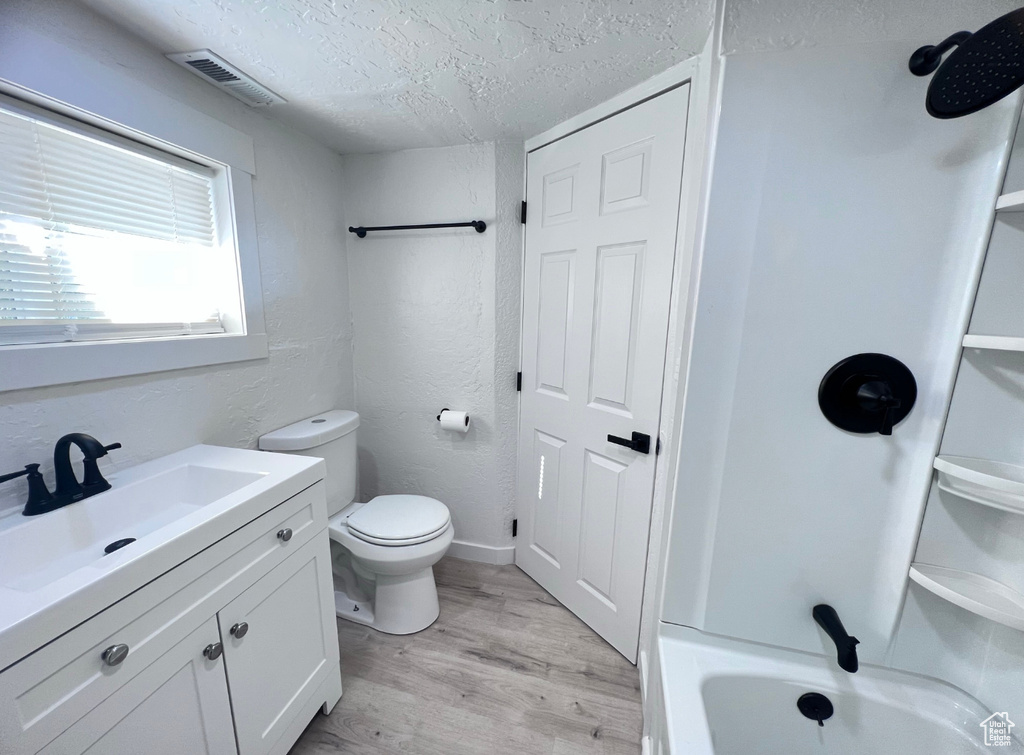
<point>48,691</point>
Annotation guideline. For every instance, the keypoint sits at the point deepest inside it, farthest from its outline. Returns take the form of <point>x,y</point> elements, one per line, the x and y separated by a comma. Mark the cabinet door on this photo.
<point>287,649</point>
<point>178,704</point>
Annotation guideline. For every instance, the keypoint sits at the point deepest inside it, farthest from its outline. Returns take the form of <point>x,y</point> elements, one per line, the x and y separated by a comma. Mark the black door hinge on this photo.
<point>515,527</point>
<point>519,381</point>
<point>657,446</point>
<point>522,213</point>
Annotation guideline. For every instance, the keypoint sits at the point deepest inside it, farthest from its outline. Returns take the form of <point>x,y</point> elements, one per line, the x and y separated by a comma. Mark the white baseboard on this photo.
<point>485,554</point>
<point>642,667</point>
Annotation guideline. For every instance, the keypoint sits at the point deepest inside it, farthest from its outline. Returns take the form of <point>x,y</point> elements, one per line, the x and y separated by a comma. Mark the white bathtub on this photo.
<point>726,697</point>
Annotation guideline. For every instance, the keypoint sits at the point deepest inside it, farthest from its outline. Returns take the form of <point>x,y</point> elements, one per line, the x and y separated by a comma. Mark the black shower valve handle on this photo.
<point>867,393</point>
<point>891,404</point>
<point>887,421</point>
<point>876,394</point>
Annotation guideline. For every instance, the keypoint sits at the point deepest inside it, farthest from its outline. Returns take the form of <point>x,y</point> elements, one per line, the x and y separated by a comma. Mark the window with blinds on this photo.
<point>102,238</point>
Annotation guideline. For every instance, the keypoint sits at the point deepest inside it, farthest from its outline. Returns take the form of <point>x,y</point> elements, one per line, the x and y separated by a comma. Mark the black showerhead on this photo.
<point>985,67</point>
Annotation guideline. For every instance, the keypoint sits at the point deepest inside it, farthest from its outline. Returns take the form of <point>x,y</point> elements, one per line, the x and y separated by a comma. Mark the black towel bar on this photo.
<point>361,231</point>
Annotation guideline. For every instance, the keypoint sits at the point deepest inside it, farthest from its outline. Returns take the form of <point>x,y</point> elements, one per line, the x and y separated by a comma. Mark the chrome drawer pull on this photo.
<point>239,630</point>
<point>213,650</point>
<point>284,535</point>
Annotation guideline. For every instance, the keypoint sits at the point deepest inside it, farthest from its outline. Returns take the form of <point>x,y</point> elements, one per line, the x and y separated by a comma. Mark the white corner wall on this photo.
<point>842,219</point>
<point>435,316</point>
<point>299,216</point>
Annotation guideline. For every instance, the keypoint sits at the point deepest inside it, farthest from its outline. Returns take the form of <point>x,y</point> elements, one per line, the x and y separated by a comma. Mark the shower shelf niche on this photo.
<point>1012,202</point>
<point>970,549</point>
<point>972,592</point>
<point>990,483</point>
<point>998,343</point>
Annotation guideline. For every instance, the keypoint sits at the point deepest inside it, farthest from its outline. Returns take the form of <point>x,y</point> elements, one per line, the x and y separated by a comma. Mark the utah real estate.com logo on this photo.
<point>997,730</point>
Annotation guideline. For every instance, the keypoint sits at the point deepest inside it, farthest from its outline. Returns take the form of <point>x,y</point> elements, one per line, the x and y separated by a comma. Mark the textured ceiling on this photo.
<point>380,75</point>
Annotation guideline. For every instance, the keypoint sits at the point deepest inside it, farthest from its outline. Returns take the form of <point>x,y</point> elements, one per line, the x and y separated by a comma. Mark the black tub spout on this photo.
<point>846,645</point>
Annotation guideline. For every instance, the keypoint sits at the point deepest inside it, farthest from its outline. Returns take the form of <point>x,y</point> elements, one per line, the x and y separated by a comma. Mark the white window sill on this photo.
<point>37,365</point>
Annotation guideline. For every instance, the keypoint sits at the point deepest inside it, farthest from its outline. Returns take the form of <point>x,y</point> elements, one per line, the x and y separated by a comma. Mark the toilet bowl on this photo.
<point>396,571</point>
<point>383,551</point>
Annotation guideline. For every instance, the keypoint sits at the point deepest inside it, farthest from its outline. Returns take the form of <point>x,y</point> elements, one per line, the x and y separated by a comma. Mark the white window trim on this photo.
<point>152,118</point>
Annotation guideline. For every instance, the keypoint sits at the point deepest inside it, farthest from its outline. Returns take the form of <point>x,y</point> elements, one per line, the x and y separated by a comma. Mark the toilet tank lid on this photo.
<point>311,432</point>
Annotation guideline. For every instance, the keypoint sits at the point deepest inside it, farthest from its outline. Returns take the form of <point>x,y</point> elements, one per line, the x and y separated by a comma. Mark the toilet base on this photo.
<point>358,611</point>
<point>401,604</point>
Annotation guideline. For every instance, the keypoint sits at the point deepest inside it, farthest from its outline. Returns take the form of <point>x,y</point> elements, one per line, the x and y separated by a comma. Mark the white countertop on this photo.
<point>32,615</point>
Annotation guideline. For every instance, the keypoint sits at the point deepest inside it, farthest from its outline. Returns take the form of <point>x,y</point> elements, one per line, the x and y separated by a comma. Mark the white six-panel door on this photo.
<point>600,243</point>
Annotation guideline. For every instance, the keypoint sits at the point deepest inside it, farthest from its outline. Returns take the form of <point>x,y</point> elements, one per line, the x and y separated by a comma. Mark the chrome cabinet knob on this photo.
<point>213,651</point>
<point>115,655</point>
<point>239,630</point>
<point>284,535</point>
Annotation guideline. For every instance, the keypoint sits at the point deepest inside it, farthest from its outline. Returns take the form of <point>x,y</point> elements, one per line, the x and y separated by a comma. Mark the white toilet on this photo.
<point>383,551</point>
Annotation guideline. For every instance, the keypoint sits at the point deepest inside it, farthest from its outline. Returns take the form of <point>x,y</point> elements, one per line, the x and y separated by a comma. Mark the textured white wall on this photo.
<point>299,214</point>
<point>426,308</point>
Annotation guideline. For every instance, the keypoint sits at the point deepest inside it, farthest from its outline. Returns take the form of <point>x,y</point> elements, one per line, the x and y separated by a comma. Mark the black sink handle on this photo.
<point>14,475</point>
<point>39,498</point>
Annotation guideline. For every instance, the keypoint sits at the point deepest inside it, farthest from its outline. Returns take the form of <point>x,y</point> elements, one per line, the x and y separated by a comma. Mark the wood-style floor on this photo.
<point>505,669</point>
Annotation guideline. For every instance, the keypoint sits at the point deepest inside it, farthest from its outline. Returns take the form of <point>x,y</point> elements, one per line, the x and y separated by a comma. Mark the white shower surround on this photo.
<point>846,220</point>
<point>934,637</point>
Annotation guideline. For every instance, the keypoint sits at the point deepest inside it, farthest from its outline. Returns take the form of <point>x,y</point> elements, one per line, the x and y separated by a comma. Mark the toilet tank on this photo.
<point>330,436</point>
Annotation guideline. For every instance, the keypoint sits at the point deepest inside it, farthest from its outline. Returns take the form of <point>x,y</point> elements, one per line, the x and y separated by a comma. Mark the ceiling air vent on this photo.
<point>217,71</point>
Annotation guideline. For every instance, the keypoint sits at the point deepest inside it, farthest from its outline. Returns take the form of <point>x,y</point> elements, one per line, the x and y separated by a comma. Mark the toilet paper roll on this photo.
<point>457,421</point>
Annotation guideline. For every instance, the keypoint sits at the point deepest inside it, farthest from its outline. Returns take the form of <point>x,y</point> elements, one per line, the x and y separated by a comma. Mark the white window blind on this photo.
<point>101,238</point>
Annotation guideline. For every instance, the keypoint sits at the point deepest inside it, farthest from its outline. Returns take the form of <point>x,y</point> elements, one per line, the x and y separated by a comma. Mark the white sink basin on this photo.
<point>41,549</point>
<point>54,572</point>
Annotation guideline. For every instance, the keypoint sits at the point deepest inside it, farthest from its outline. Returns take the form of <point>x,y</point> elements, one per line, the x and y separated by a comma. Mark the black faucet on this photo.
<point>68,486</point>
<point>69,489</point>
<point>846,645</point>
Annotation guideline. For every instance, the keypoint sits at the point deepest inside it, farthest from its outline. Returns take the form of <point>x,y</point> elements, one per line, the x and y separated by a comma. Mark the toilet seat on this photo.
<point>397,520</point>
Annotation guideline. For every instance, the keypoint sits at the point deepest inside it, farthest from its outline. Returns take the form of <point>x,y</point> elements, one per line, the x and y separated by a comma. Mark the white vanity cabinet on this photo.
<point>234,650</point>
<point>280,645</point>
<point>179,704</point>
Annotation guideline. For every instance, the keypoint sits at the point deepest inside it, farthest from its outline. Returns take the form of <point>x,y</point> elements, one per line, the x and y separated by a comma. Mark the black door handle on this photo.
<point>640,442</point>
